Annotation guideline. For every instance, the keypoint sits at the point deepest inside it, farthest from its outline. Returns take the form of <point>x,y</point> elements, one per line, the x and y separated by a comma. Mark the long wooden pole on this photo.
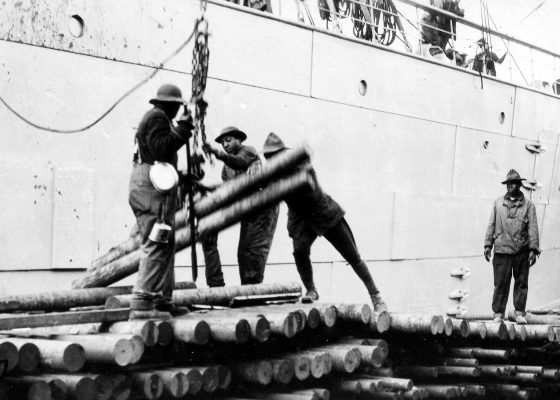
<point>214,222</point>
<point>225,194</point>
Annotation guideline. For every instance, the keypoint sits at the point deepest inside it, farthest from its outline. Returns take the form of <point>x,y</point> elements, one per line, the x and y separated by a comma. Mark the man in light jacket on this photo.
<point>514,234</point>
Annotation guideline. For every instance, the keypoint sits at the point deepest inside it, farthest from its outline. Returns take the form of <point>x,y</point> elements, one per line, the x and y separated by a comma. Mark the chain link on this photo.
<point>201,55</point>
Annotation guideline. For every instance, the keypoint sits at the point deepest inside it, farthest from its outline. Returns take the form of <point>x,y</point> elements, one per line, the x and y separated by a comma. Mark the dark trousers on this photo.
<point>504,266</point>
<point>255,238</point>
<point>341,237</point>
<point>155,274</point>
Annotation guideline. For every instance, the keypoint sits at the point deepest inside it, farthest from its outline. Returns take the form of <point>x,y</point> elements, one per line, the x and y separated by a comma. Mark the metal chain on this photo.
<point>201,55</point>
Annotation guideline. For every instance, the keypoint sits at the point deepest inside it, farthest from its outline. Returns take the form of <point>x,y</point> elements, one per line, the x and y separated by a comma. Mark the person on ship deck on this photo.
<point>513,232</point>
<point>313,213</point>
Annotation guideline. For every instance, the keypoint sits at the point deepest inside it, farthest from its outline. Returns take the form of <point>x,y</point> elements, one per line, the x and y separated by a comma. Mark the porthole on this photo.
<point>76,26</point>
<point>502,117</point>
<point>362,88</point>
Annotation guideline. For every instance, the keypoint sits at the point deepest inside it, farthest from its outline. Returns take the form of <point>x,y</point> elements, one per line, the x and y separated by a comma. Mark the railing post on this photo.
<point>532,67</point>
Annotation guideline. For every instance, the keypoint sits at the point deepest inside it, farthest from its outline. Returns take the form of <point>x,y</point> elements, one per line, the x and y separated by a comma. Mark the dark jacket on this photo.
<point>157,138</point>
<point>314,206</point>
<point>238,163</point>
<point>513,226</point>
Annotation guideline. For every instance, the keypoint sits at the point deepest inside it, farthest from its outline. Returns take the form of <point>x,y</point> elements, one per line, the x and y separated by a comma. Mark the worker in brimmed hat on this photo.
<point>514,234</point>
<point>313,213</point>
<point>484,59</point>
<point>157,140</point>
<point>257,230</point>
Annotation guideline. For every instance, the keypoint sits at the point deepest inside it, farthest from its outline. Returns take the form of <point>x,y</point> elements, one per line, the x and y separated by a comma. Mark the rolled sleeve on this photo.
<point>489,238</point>
<point>533,228</point>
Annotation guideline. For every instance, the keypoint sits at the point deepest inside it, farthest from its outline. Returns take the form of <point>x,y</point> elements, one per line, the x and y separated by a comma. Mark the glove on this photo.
<point>211,149</point>
<point>186,120</point>
<point>487,253</point>
<point>532,258</point>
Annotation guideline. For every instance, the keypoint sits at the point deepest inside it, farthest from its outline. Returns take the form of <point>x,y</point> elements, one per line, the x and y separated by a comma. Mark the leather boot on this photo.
<point>378,303</point>
<point>498,317</point>
<point>145,309</point>
<point>311,296</point>
<point>520,318</point>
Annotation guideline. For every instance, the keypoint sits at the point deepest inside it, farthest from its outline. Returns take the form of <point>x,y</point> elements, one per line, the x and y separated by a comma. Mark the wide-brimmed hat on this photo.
<point>513,176</point>
<point>168,93</point>
<point>273,144</point>
<point>231,131</point>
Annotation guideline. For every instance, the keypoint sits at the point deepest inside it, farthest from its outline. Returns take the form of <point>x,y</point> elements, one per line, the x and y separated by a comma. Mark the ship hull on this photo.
<point>415,161</point>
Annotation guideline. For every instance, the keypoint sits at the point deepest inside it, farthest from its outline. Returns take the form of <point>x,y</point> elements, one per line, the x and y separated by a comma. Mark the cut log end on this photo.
<point>382,321</point>
<point>123,352</point>
<point>302,368</point>
<point>29,357</point>
<point>195,381</point>
<point>164,333</point>
<point>210,380</point>
<point>8,351</point>
<point>202,333</point>
<point>313,318</point>
<point>59,390</point>
<point>74,357</point>
<point>261,330</point>
<point>224,376</point>
<point>85,389</point>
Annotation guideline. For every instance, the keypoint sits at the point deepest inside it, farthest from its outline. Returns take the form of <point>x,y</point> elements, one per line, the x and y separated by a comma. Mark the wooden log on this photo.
<point>224,376</point>
<point>460,327</point>
<point>380,322</point>
<point>79,387</point>
<point>357,313</point>
<point>348,386</point>
<point>372,356</point>
<point>412,394</point>
<point>9,351</point>
<point>259,372</point>
<point>122,387</point>
<point>164,332</point>
<point>321,393</point>
<point>534,319</point>
<point>379,372</point>
<point>535,369</point>
<point>539,333</point>
<point>496,330</point>
<point>380,344</point>
<point>448,326</point>
<point>64,318</point>
<point>477,330</point>
<point>229,330</point>
<point>458,371</point>
<point>137,346</point>
<point>147,330</point>
<point>512,332</point>
<point>302,366</point>
<point>409,323</point>
<point>175,383</point>
<point>282,370</point>
<point>498,390</point>
<point>62,355</point>
<point>210,379</point>
<point>223,195</point>
<point>474,390</point>
<point>416,372</point>
<point>387,383</point>
<point>551,373</point>
<point>369,386</point>
<point>215,296</point>
<point>59,391</point>
<point>260,329</point>
<point>456,362</point>
<point>190,331</point>
<point>193,377</point>
<point>317,362</point>
<point>111,349</point>
<point>440,391</point>
<point>346,358</point>
<point>27,390</point>
<point>486,317</point>
<point>214,222</point>
<point>147,384</point>
<point>440,324</point>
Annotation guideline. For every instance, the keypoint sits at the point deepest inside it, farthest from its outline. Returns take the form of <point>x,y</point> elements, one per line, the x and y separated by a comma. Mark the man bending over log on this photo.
<point>313,213</point>
<point>158,140</point>
<point>257,230</point>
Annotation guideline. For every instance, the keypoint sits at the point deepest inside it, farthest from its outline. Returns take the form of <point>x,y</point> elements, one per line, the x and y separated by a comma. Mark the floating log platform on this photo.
<point>292,351</point>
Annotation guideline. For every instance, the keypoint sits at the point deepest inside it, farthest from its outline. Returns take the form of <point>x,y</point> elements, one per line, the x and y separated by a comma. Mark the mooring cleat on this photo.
<point>311,296</point>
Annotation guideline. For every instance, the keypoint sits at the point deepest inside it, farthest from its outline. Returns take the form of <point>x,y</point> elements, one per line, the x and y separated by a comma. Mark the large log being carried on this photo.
<point>215,296</point>
<point>222,196</point>
<point>214,222</point>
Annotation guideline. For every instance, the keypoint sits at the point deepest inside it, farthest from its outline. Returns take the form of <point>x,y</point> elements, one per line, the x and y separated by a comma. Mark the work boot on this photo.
<point>498,317</point>
<point>145,309</point>
<point>378,303</point>
<point>311,296</point>
<point>520,318</point>
<point>171,308</point>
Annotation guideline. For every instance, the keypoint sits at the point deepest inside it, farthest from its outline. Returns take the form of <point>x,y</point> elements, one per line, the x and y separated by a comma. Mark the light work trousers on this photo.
<point>155,274</point>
